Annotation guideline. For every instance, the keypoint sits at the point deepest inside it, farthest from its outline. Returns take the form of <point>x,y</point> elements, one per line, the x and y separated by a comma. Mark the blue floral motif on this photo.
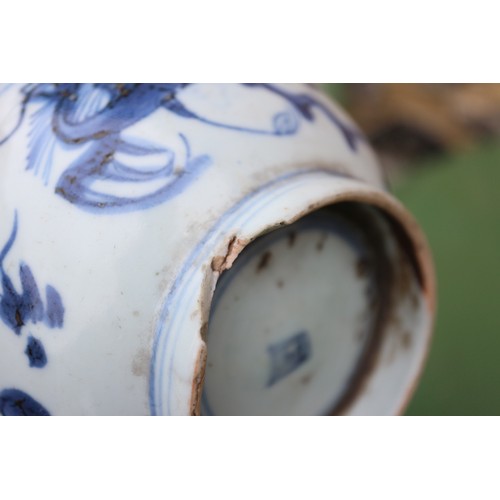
<point>17,310</point>
<point>14,402</point>
<point>92,118</point>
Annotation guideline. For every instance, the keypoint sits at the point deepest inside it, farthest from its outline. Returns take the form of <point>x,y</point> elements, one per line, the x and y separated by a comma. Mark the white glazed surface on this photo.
<point>135,283</point>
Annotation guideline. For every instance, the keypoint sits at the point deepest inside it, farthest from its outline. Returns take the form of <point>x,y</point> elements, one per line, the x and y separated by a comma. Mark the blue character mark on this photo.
<point>288,355</point>
<point>92,119</point>
<point>18,309</point>
<point>14,402</point>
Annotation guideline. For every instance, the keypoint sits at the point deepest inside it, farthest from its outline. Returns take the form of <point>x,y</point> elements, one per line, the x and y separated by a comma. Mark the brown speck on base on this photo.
<point>140,363</point>
<point>321,243</point>
<point>362,268</point>
<point>264,261</point>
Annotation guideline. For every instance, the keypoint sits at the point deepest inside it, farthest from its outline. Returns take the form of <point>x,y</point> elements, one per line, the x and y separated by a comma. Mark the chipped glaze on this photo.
<point>122,205</point>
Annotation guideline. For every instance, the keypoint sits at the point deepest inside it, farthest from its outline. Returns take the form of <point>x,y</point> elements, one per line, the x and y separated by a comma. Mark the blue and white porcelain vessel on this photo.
<point>184,249</point>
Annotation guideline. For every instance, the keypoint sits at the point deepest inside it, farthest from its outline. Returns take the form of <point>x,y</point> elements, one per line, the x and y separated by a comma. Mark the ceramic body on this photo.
<point>122,205</point>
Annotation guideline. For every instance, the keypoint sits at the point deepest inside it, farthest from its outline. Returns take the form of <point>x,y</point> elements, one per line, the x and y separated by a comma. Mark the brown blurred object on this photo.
<point>408,121</point>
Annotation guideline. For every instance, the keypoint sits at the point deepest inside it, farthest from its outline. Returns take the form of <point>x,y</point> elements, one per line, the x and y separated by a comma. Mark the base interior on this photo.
<point>296,323</point>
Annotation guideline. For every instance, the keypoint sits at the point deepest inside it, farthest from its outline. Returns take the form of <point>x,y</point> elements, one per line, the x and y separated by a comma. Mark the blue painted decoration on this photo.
<point>35,352</point>
<point>287,355</point>
<point>14,403</point>
<point>92,119</point>
<point>305,104</point>
<point>19,309</point>
<point>54,316</point>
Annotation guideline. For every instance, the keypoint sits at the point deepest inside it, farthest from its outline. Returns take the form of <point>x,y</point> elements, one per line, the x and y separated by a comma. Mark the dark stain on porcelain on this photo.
<point>402,338</point>
<point>321,243</point>
<point>362,267</point>
<point>140,363</point>
<point>264,261</point>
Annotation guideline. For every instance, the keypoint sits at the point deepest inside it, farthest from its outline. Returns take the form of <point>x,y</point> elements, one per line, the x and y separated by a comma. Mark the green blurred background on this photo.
<point>455,195</point>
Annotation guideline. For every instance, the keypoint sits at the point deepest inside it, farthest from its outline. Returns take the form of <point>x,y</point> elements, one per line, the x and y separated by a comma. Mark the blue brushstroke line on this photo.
<point>27,98</point>
<point>14,403</point>
<point>35,352</point>
<point>10,241</point>
<point>55,309</point>
<point>304,103</point>
<point>31,296</point>
<point>75,184</point>
<point>42,142</point>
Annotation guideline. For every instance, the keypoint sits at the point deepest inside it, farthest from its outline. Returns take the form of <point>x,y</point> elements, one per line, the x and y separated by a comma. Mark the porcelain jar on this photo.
<point>185,249</point>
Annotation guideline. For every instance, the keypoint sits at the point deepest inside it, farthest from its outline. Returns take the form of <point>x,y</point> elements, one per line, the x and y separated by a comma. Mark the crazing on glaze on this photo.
<point>90,120</point>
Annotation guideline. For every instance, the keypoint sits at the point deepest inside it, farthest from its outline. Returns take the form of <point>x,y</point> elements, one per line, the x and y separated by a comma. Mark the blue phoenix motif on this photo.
<point>18,309</point>
<point>93,118</point>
